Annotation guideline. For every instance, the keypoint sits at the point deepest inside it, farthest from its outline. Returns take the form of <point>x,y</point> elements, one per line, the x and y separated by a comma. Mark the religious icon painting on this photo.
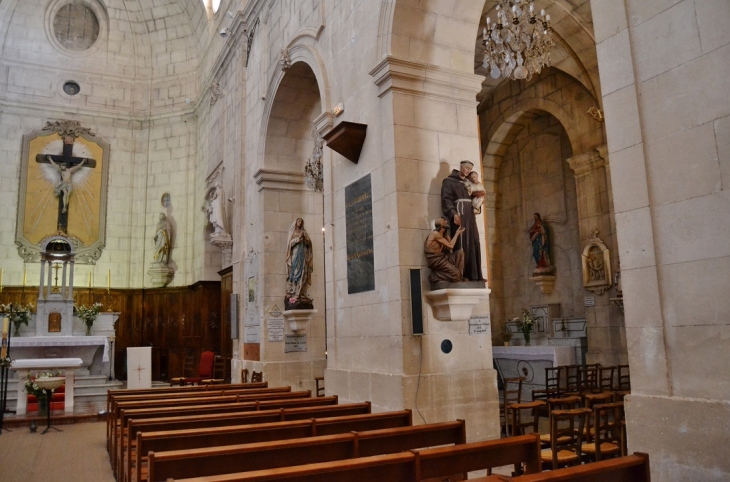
<point>63,186</point>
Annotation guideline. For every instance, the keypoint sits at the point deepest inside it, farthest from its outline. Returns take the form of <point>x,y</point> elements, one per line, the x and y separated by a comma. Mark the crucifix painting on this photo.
<point>63,190</point>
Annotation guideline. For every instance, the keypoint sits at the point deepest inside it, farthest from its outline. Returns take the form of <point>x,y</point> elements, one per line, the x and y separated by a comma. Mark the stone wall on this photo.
<point>663,69</point>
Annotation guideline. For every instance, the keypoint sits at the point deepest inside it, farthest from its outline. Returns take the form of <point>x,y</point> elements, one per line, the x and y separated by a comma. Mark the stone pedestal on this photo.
<point>225,243</point>
<point>454,304</point>
<point>161,275</point>
<point>298,319</point>
<point>546,283</point>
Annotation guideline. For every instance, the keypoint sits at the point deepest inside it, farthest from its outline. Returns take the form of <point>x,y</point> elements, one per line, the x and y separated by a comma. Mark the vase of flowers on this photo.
<point>31,388</point>
<point>18,314</point>
<point>88,315</point>
<point>525,324</point>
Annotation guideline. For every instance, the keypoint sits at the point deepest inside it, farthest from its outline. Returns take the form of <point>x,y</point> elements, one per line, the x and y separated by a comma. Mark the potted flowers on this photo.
<point>525,324</point>
<point>88,315</point>
<point>18,314</point>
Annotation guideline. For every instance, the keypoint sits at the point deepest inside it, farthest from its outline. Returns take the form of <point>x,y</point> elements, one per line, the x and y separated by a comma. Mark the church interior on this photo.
<point>258,186</point>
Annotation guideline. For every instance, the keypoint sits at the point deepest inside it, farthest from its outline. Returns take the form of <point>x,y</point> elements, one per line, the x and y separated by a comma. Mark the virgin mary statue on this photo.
<point>298,267</point>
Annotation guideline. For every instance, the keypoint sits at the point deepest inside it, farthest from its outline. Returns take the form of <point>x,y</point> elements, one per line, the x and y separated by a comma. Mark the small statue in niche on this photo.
<point>299,267</point>
<point>456,207</point>
<point>445,264</point>
<point>215,208</point>
<point>476,191</point>
<point>540,240</point>
<point>163,240</point>
<point>596,265</point>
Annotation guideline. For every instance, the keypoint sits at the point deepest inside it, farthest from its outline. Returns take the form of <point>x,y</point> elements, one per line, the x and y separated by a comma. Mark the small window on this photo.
<point>215,4</point>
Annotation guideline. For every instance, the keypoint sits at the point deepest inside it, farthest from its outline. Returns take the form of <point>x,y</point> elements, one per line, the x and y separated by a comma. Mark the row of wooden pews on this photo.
<point>250,432</point>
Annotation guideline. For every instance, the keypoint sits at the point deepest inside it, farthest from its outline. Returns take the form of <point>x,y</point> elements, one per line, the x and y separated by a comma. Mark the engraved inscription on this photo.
<point>359,235</point>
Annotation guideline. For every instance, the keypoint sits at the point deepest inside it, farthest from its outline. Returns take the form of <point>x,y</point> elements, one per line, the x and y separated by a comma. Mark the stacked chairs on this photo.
<point>566,438</point>
<point>512,393</point>
<point>609,437</point>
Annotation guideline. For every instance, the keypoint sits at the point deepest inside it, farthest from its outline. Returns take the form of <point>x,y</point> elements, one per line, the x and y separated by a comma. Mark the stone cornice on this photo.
<point>414,78</point>
<point>277,180</point>
<point>585,163</point>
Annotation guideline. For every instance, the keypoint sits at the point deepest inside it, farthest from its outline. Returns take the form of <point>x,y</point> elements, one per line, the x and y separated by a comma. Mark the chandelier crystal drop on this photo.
<point>518,43</point>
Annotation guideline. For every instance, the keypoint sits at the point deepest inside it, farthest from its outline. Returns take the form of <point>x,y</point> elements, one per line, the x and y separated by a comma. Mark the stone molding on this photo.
<point>583,164</point>
<point>324,122</point>
<point>414,78</point>
<point>455,304</point>
<point>276,180</point>
<point>299,319</point>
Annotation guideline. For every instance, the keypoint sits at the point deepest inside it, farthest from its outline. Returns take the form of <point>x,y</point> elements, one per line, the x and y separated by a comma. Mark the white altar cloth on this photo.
<point>36,341</point>
<point>23,367</point>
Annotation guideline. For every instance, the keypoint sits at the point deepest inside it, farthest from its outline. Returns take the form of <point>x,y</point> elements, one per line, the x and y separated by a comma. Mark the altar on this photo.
<point>25,367</point>
<point>93,351</point>
<point>530,362</point>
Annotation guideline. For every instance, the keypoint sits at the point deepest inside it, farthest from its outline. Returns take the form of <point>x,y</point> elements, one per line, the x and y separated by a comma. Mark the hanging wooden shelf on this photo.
<point>347,138</point>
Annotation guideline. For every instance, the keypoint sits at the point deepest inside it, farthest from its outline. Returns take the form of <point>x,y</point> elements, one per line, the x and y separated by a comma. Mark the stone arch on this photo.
<point>299,52</point>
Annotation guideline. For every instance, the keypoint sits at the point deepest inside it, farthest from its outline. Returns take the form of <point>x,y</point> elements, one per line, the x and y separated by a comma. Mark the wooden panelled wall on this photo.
<point>175,322</point>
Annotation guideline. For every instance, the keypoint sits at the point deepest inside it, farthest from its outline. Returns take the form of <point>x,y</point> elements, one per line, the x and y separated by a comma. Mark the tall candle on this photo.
<point>109,280</point>
<point>1,279</point>
<point>89,279</point>
<point>25,276</point>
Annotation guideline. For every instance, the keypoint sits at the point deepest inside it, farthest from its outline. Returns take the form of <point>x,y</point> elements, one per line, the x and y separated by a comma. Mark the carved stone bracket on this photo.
<point>161,275</point>
<point>298,319</point>
<point>216,92</point>
<point>455,304</point>
<point>225,243</point>
<point>284,60</point>
<point>546,283</point>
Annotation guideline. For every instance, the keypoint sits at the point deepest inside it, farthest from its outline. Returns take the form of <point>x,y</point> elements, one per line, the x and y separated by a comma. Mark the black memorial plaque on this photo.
<point>359,232</point>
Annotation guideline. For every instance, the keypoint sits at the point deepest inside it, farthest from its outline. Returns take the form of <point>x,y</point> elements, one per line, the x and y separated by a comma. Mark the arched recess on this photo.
<point>288,141</point>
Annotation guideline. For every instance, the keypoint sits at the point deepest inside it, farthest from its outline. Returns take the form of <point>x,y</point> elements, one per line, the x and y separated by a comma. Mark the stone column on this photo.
<point>606,329</point>
<point>426,117</point>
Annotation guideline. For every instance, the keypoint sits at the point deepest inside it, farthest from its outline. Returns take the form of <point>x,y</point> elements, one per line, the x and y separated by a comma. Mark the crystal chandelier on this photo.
<point>518,43</point>
<point>313,173</point>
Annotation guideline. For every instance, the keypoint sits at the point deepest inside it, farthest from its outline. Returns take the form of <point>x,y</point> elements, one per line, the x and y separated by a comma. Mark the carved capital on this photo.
<point>584,164</point>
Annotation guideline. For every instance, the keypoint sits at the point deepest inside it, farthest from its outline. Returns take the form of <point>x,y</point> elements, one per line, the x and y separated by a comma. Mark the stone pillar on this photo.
<point>428,124</point>
<point>606,330</point>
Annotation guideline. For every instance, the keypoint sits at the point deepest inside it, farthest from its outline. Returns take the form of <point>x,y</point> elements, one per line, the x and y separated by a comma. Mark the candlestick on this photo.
<point>89,278</point>
<point>1,280</point>
<point>109,280</point>
<point>25,276</point>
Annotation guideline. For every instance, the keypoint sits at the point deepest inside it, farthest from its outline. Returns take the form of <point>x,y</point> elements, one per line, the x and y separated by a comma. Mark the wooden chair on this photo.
<point>552,384</point>
<point>520,421</point>
<point>572,380</point>
<point>566,438</point>
<point>512,393</point>
<point>605,378</point>
<point>608,420</point>
<point>588,378</point>
<point>566,403</point>
<point>257,376</point>
<point>624,378</point>
<point>320,389</point>
<point>591,400</point>
<point>244,375</point>
<point>205,368</point>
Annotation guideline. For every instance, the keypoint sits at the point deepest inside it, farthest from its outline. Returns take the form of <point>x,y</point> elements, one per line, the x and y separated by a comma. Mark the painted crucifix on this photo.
<point>66,165</point>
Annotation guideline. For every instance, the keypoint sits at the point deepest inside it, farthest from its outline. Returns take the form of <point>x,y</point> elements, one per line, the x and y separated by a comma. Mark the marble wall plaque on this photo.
<point>275,327</point>
<point>359,235</point>
<point>295,343</point>
<point>479,325</point>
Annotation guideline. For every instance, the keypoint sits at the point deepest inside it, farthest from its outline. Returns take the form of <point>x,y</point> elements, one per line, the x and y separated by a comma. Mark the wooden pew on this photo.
<point>631,468</point>
<point>284,453</point>
<point>119,409</point>
<point>184,440</point>
<point>113,402</point>
<point>237,418</point>
<point>446,461</point>
<point>118,442</point>
<point>111,394</point>
<point>399,467</point>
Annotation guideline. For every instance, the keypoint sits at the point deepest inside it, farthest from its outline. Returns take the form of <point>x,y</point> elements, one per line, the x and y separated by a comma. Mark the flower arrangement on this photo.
<point>88,315</point>
<point>31,388</point>
<point>525,324</point>
<point>6,362</point>
<point>18,314</point>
